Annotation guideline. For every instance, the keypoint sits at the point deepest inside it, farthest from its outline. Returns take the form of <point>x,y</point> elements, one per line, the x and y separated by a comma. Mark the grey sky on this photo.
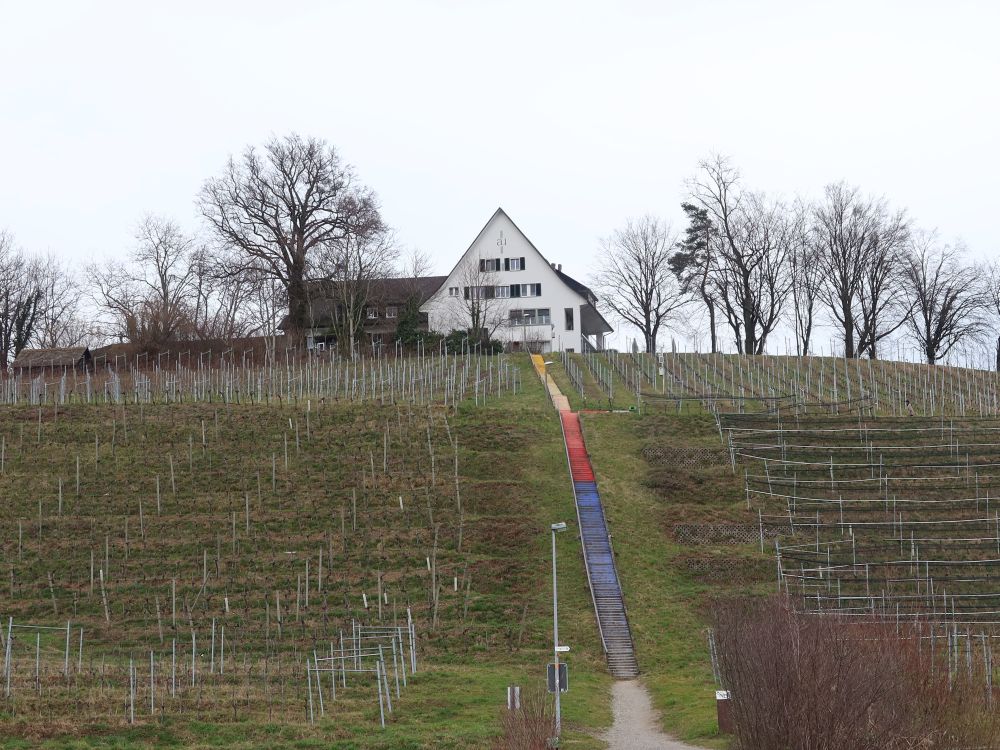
<point>572,116</point>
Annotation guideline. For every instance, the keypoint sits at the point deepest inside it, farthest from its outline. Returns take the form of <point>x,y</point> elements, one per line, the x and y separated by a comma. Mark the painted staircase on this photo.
<point>609,604</point>
<point>598,556</point>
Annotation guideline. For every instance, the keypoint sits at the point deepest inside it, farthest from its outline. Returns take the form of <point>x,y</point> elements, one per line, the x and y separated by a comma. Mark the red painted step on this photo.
<point>579,461</point>
<point>609,606</point>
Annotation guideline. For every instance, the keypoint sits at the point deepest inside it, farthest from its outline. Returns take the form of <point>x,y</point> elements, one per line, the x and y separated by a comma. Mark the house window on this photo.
<point>503,292</point>
<point>480,292</point>
<point>569,318</point>
<point>513,264</point>
<point>526,290</point>
<point>530,317</point>
<point>489,265</point>
<point>372,313</point>
<point>453,291</point>
<point>390,312</point>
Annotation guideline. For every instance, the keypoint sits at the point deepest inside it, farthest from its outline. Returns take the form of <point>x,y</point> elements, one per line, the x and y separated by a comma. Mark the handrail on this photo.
<point>583,546</point>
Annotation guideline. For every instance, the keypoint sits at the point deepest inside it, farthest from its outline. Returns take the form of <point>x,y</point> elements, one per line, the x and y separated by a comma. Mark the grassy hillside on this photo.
<point>202,513</point>
<point>669,583</point>
<point>685,536</point>
<point>250,498</point>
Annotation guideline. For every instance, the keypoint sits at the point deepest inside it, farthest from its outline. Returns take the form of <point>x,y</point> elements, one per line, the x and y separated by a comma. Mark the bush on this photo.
<point>408,325</point>
<point>827,682</point>
<point>459,341</point>
<point>531,727</point>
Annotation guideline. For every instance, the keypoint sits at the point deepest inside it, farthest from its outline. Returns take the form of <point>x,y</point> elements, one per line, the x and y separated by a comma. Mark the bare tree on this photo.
<point>478,309</point>
<point>755,239</point>
<point>221,300</point>
<point>634,276</point>
<point>277,208</point>
<point>60,319</point>
<point>20,299</point>
<point>858,242</point>
<point>946,300</point>
<point>881,301</point>
<point>265,308</point>
<point>992,292</point>
<point>806,282</point>
<point>353,268</point>
<point>149,301</point>
<point>416,265</point>
<point>694,261</point>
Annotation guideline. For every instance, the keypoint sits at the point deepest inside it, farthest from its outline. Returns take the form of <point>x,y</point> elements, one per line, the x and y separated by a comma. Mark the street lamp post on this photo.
<point>556,528</point>
<point>547,364</point>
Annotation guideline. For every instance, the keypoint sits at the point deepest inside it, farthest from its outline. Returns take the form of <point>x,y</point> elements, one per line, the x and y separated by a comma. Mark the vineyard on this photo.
<point>181,549</point>
<point>737,383</point>
<point>885,533</point>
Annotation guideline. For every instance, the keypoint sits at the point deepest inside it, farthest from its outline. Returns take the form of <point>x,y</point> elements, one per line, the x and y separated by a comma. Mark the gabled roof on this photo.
<point>384,291</point>
<point>575,285</point>
<point>60,357</point>
<point>581,289</point>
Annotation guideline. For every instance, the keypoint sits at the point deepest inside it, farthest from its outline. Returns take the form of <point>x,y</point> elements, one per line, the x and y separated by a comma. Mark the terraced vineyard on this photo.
<point>737,383</point>
<point>894,517</point>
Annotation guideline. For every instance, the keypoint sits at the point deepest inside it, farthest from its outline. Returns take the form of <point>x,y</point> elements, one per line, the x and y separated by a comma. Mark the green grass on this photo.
<point>668,608</point>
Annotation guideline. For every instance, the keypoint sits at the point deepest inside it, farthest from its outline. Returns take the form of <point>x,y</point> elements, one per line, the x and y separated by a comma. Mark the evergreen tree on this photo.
<point>691,262</point>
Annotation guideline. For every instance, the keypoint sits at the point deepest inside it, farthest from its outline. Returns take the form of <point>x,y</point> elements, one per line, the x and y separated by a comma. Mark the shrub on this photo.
<point>529,728</point>
<point>459,341</point>
<point>828,682</point>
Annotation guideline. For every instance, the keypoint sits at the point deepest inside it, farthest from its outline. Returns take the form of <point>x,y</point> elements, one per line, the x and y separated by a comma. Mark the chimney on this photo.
<point>553,265</point>
<point>559,267</point>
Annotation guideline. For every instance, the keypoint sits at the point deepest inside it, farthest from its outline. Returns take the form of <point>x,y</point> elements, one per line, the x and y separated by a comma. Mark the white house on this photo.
<point>504,285</point>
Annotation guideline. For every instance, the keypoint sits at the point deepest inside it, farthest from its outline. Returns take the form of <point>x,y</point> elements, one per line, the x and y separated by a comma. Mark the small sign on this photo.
<point>551,677</point>
<point>562,649</point>
<point>513,697</point>
<point>721,695</point>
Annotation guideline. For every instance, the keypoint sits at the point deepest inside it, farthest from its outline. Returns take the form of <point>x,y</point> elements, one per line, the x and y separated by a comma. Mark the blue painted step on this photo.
<point>609,605</point>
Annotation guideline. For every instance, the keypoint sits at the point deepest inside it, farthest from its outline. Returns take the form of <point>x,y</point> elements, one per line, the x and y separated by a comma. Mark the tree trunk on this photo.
<point>298,301</point>
<point>849,351</point>
<point>650,342</point>
<point>711,326</point>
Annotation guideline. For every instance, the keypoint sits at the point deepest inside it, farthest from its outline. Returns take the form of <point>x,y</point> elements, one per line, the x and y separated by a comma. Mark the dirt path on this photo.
<point>635,726</point>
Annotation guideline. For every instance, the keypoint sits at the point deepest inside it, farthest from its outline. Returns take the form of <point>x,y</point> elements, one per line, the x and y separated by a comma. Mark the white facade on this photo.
<point>517,295</point>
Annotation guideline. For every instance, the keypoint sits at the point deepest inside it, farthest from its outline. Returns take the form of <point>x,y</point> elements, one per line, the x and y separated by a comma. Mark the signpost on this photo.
<point>551,677</point>
<point>556,649</point>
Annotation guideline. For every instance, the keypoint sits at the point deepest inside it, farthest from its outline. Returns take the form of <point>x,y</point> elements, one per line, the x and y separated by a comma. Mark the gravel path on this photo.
<point>635,726</point>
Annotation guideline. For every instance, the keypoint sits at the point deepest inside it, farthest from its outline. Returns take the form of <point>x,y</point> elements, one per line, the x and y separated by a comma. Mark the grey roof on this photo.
<point>62,357</point>
<point>396,291</point>
<point>575,285</point>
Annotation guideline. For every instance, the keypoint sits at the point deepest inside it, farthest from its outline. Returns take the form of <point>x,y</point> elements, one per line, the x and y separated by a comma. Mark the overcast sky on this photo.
<point>572,116</point>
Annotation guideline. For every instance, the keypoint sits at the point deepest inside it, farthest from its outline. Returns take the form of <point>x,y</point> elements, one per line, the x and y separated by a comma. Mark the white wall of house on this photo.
<point>545,326</point>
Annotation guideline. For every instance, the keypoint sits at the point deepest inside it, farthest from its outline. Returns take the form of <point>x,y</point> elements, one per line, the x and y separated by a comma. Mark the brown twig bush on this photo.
<point>813,682</point>
<point>529,728</point>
